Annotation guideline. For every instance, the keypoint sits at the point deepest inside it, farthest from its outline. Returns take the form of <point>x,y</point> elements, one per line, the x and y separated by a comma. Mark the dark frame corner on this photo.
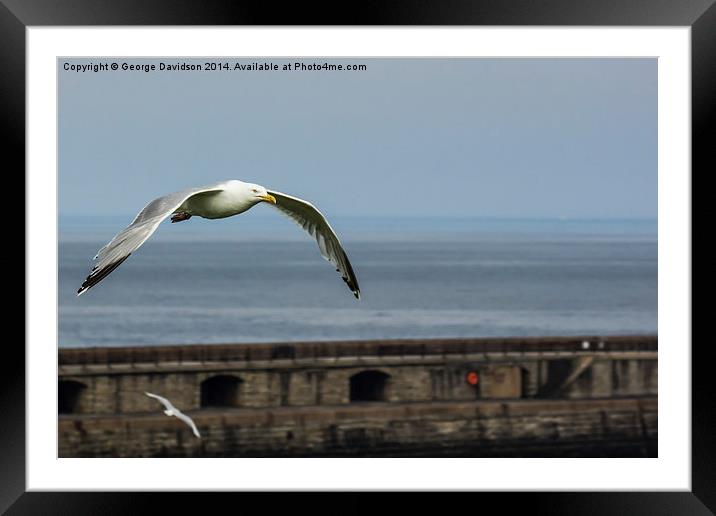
<point>700,15</point>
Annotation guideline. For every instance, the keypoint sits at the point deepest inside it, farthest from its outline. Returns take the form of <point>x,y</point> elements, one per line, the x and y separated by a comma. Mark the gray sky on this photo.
<point>573,138</point>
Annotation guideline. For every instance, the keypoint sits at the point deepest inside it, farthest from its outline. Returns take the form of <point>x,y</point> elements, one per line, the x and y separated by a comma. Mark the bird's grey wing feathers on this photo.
<point>130,238</point>
<point>312,221</point>
<point>163,401</point>
<point>188,421</point>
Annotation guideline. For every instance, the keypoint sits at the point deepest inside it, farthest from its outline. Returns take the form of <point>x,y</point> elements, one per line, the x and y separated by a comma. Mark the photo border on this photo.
<point>700,16</point>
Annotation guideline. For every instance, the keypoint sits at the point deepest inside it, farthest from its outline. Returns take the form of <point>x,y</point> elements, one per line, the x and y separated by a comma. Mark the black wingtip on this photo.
<point>351,281</point>
<point>98,275</point>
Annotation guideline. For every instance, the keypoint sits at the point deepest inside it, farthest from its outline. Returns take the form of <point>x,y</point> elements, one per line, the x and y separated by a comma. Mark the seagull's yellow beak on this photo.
<point>269,198</point>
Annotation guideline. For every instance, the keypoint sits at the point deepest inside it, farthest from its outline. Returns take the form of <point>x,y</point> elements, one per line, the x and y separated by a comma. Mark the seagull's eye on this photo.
<point>254,190</point>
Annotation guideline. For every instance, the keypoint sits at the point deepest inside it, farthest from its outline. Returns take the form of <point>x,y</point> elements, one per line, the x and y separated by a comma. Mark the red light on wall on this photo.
<point>472,378</point>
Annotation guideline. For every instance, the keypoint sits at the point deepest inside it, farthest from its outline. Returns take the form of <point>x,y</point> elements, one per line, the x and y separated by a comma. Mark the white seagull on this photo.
<point>171,410</point>
<point>218,201</point>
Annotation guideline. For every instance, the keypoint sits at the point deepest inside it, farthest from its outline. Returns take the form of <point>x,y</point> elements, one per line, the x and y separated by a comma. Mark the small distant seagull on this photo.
<point>219,201</point>
<point>171,410</point>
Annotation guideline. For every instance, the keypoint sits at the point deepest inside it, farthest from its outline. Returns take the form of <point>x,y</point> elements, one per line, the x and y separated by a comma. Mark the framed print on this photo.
<point>504,196</point>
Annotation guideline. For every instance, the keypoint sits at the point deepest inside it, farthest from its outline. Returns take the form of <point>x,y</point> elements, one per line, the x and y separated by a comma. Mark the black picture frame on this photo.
<point>17,15</point>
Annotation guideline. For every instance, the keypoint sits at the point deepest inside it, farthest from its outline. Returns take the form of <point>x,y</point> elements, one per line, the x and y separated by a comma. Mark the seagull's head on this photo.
<point>258,193</point>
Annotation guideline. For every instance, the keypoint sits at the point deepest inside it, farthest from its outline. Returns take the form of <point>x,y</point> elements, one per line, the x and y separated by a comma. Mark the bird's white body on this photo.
<point>234,198</point>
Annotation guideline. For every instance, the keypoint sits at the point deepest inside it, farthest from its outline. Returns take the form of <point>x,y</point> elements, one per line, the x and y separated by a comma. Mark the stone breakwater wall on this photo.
<point>566,395</point>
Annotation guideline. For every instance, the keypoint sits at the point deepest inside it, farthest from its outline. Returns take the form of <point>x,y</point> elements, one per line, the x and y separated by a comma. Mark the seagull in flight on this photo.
<point>171,410</point>
<point>219,201</point>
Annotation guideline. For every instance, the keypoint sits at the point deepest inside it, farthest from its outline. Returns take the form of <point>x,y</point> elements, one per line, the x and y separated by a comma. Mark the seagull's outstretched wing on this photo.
<point>188,421</point>
<point>167,404</point>
<point>175,412</point>
<point>144,224</point>
<point>309,218</point>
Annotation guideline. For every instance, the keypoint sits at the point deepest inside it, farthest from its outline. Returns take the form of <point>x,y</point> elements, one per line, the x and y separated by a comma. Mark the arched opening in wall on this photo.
<point>525,383</point>
<point>557,373</point>
<point>69,396</point>
<point>220,391</point>
<point>368,386</point>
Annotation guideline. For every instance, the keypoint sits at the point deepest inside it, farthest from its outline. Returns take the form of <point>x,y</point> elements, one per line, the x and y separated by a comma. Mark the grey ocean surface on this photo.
<point>260,279</point>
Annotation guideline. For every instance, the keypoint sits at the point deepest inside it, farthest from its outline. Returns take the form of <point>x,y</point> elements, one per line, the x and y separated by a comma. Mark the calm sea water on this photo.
<point>440,279</point>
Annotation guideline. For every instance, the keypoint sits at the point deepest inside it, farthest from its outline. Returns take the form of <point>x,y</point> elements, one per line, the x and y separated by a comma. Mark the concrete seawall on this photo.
<point>575,396</point>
